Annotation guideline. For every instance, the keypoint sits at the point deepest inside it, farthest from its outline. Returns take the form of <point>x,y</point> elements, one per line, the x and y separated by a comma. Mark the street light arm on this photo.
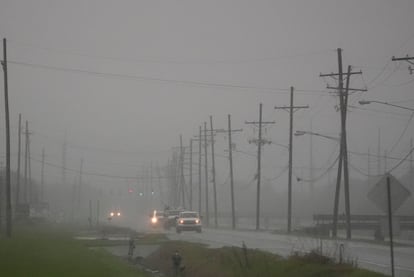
<point>300,133</point>
<point>365,102</point>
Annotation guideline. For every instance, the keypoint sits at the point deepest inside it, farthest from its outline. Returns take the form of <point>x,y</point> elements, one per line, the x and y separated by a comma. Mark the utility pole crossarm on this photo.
<point>233,131</point>
<point>256,122</point>
<point>337,74</point>
<point>407,58</point>
<point>293,107</point>
<point>349,89</point>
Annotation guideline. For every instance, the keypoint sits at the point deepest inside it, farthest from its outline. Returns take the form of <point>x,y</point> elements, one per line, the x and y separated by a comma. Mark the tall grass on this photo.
<point>47,251</point>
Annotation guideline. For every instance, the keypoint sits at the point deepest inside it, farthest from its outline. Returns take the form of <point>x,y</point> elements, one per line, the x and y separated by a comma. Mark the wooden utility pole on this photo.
<point>97,212</point>
<point>6,110</point>
<point>80,184</point>
<point>343,158</point>
<point>206,173</point>
<point>379,153</point>
<point>233,210</point>
<point>199,171</point>
<point>390,224</point>
<point>291,110</point>
<point>29,162</point>
<point>411,165</point>
<point>64,150</point>
<point>182,181</point>
<point>344,108</point>
<point>1,198</point>
<point>259,155</point>
<point>26,152</point>
<point>42,177</point>
<point>17,199</point>
<point>191,175</point>
<point>213,171</point>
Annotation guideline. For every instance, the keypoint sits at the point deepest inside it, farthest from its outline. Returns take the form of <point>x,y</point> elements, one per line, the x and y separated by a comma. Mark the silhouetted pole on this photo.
<point>182,170</point>
<point>345,153</point>
<point>97,212</point>
<point>259,159</point>
<point>411,165</point>
<point>213,171</point>
<point>29,163</point>
<point>42,177</point>
<point>199,170</point>
<point>206,173</point>
<point>369,164</point>
<point>343,158</point>
<point>233,213</point>
<point>26,152</point>
<point>19,154</point>
<point>191,175</point>
<point>390,224</point>
<point>379,153</point>
<point>291,110</point>
<point>259,155</point>
<point>289,229</point>
<point>80,184</point>
<point>6,110</point>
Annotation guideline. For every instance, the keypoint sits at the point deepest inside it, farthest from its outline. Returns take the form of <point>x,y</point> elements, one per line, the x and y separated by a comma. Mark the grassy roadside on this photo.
<point>230,261</point>
<point>49,251</point>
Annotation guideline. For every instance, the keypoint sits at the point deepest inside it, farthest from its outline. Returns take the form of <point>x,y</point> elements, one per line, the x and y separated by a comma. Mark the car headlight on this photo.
<point>111,214</point>
<point>118,214</point>
<point>197,221</point>
<point>154,220</point>
<point>181,221</point>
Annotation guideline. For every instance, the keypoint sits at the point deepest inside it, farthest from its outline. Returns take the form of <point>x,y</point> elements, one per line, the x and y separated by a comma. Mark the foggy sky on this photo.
<point>123,79</point>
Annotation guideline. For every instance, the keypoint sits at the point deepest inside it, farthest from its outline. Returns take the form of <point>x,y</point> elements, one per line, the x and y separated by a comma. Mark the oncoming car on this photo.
<point>171,218</point>
<point>157,218</point>
<point>188,221</point>
<point>113,214</point>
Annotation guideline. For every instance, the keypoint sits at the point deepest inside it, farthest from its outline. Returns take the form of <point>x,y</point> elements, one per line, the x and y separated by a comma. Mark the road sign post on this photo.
<point>390,224</point>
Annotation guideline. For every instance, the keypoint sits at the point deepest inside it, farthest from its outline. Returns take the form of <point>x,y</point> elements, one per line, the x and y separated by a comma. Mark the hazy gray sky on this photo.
<point>124,78</point>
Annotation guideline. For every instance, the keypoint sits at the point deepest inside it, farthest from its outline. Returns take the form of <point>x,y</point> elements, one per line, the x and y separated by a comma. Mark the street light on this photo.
<point>366,102</point>
<point>301,133</point>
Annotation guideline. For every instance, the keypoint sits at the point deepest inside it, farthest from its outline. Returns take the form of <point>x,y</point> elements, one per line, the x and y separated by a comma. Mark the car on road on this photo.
<point>171,218</point>
<point>157,219</point>
<point>188,221</point>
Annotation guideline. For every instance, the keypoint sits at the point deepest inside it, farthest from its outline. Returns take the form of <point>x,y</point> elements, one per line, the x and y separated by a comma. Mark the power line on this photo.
<point>96,174</point>
<point>320,176</point>
<point>403,160</point>
<point>266,90</point>
<point>389,171</point>
<point>402,133</point>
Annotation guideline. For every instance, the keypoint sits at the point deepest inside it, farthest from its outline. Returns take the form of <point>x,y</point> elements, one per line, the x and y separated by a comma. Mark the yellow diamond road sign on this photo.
<point>378,194</point>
